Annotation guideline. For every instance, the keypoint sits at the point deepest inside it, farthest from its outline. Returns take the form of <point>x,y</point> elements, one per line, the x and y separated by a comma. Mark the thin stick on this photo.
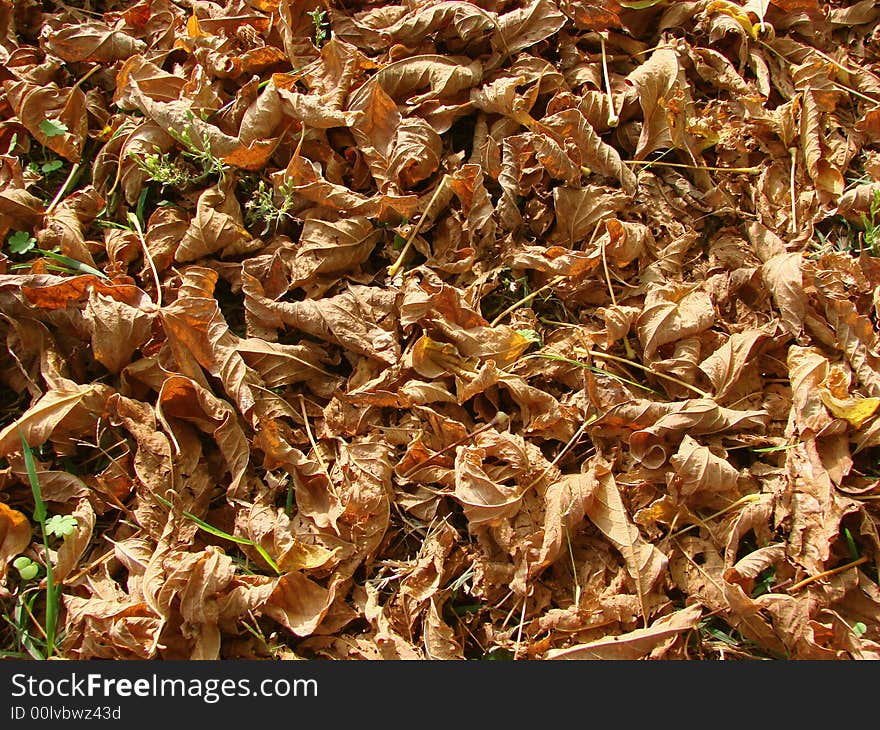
<point>305,415</point>
<point>84,77</point>
<point>94,564</point>
<point>522,620</point>
<point>574,572</point>
<point>830,60</point>
<point>563,452</point>
<point>748,499</point>
<point>516,305</point>
<point>746,170</point>
<point>63,189</point>
<point>613,119</point>
<point>700,569</point>
<point>499,419</point>
<point>794,225</point>
<point>608,277</point>
<point>133,219</point>
<point>859,94</point>
<point>827,573</point>
<point>395,267</point>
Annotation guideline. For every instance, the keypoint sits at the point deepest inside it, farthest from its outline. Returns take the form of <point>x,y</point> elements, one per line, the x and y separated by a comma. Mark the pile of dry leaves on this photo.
<point>441,329</point>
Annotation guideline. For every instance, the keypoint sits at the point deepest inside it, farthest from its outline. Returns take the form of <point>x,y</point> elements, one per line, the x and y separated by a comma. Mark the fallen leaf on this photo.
<point>15,535</point>
<point>698,469</point>
<point>645,563</point>
<point>636,644</point>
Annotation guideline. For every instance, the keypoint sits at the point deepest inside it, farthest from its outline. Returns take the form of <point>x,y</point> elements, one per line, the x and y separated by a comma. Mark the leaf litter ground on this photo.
<point>537,329</point>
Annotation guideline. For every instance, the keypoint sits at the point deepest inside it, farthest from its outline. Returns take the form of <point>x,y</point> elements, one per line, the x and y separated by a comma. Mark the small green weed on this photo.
<point>217,532</point>
<point>27,568</point>
<point>160,168</point>
<point>197,148</point>
<point>262,209</point>
<point>319,19</point>
<point>871,224</point>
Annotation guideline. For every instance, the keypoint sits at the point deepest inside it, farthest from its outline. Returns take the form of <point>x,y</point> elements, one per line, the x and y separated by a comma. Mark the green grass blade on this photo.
<point>73,264</point>
<point>591,368</point>
<point>771,449</point>
<point>210,529</point>
<point>31,468</point>
<point>52,594</point>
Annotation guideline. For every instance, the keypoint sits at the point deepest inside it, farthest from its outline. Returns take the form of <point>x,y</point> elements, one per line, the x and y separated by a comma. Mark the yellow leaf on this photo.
<point>855,410</point>
<point>736,12</point>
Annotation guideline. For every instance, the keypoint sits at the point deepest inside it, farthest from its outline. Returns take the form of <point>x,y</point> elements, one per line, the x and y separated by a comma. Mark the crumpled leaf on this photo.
<point>725,366</point>
<point>217,226</point>
<point>636,644</point>
<point>92,41</point>
<point>62,413</point>
<point>673,313</point>
<point>645,563</point>
<point>698,416</point>
<point>698,469</point>
<point>523,27</point>
<point>546,328</point>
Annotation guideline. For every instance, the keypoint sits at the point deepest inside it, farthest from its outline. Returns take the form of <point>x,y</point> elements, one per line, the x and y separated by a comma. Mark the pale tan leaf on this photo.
<point>857,338</point>
<point>578,210</point>
<point>808,369</point>
<point>636,644</point>
<point>651,83</point>
<point>565,505</point>
<point>827,178</point>
<point>440,640</point>
<point>415,153</point>
<point>650,444</point>
<point>353,319</point>
<point>523,27</point>
<point>117,330</point>
<point>725,366</point>
<point>698,469</point>
<point>644,562</point>
<point>71,550</point>
<point>298,603</point>
<point>61,413</point>
<point>673,313</point>
<point>752,565</point>
<point>217,226</point>
<point>783,277</point>
<point>92,41</point>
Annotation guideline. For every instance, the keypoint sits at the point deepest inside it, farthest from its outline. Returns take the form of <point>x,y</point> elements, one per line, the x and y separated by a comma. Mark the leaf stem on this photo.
<point>526,299</point>
<point>63,189</point>
<point>826,574</point>
<point>133,219</point>
<point>613,118</point>
<point>395,267</point>
<point>755,170</point>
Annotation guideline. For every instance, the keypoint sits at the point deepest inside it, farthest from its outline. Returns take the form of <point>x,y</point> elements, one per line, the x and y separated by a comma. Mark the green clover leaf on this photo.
<point>21,242</point>
<point>61,525</point>
<point>53,128</point>
<point>26,567</point>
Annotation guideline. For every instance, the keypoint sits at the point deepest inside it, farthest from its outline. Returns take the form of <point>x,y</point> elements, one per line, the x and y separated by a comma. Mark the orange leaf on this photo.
<point>15,535</point>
